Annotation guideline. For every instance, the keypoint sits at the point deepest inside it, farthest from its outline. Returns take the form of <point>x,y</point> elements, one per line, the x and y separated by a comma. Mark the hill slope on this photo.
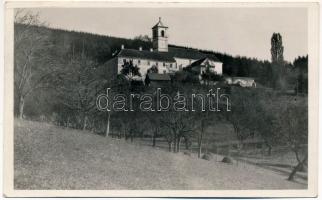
<point>50,157</point>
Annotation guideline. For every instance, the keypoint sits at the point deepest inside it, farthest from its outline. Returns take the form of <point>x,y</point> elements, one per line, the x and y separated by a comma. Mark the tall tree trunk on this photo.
<point>199,150</point>
<point>269,150</point>
<point>107,131</point>
<point>21,106</point>
<point>298,166</point>
<point>68,118</point>
<point>170,146</point>
<point>186,141</point>
<point>175,144</point>
<point>200,139</point>
<point>179,142</point>
<point>85,123</point>
<point>155,133</point>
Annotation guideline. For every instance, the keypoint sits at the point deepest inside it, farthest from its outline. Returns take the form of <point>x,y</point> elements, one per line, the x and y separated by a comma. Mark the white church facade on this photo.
<point>167,59</point>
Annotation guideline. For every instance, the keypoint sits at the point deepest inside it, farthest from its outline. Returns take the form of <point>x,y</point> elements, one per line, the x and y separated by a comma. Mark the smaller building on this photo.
<point>241,81</point>
<point>201,65</point>
<point>157,80</point>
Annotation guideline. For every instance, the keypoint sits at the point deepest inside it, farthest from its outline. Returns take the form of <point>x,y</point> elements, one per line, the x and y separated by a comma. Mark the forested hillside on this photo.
<point>59,48</point>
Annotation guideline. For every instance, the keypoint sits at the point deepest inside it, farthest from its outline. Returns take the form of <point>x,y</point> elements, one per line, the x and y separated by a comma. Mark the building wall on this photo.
<point>218,67</point>
<point>160,44</point>
<point>241,81</point>
<point>183,62</point>
<point>144,65</point>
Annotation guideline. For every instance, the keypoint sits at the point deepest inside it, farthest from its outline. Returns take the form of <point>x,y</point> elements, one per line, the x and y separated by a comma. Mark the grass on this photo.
<point>51,157</point>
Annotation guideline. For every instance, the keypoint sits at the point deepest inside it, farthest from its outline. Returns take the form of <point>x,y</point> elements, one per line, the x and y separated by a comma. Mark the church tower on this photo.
<point>160,37</point>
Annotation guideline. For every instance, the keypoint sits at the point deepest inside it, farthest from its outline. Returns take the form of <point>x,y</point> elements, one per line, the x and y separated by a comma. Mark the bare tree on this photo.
<point>294,128</point>
<point>33,66</point>
<point>178,125</point>
<point>78,88</point>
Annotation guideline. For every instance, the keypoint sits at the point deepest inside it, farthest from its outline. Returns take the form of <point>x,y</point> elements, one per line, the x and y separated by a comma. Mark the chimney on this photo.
<point>151,49</point>
<point>140,48</point>
<point>122,46</point>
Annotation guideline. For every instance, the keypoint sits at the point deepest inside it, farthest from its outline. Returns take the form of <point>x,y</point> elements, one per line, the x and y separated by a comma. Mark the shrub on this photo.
<point>227,160</point>
<point>187,153</point>
<point>207,156</point>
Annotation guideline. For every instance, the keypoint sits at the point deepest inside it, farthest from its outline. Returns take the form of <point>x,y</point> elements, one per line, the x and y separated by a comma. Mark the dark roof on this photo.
<point>159,24</point>
<point>180,52</point>
<point>158,77</point>
<point>201,61</point>
<point>185,53</point>
<point>150,55</point>
<point>177,52</point>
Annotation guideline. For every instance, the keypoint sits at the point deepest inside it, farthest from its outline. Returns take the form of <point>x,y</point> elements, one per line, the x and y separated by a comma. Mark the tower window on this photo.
<point>162,33</point>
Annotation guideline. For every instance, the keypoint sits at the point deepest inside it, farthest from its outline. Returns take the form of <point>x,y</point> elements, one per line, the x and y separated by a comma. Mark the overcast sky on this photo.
<point>237,31</point>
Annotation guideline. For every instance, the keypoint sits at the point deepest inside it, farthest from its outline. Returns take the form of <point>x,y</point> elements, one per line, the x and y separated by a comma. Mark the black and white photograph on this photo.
<point>136,97</point>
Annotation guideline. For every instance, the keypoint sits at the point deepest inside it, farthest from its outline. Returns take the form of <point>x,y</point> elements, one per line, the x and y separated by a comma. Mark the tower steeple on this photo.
<point>160,37</point>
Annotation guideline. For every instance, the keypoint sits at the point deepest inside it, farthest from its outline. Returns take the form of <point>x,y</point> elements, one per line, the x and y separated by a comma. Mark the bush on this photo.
<point>207,156</point>
<point>187,153</point>
<point>227,160</point>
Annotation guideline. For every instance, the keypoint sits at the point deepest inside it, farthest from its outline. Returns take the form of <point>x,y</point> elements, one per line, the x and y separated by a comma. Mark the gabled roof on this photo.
<point>203,61</point>
<point>158,77</point>
<point>188,53</point>
<point>159,24</point>
<point>173,52</point>
<point>149,55</point>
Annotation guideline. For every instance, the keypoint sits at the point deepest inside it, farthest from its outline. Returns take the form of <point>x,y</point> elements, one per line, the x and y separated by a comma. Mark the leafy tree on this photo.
<point>153,69</point>
<point>129,70</point>
<point>301,67</point>
<point>208,76</point>
<point>144,38</point>
<point>277,48</point>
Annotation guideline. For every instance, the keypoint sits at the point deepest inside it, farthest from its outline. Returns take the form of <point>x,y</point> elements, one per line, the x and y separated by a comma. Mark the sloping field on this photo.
<point>50,157</point>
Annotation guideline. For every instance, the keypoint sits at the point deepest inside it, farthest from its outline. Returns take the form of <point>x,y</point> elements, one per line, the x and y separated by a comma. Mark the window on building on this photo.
<point>162,33</point>
<point>156,63</point>
<point>139,61</point>
<point>171,65</point>
<point>163,64</point>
